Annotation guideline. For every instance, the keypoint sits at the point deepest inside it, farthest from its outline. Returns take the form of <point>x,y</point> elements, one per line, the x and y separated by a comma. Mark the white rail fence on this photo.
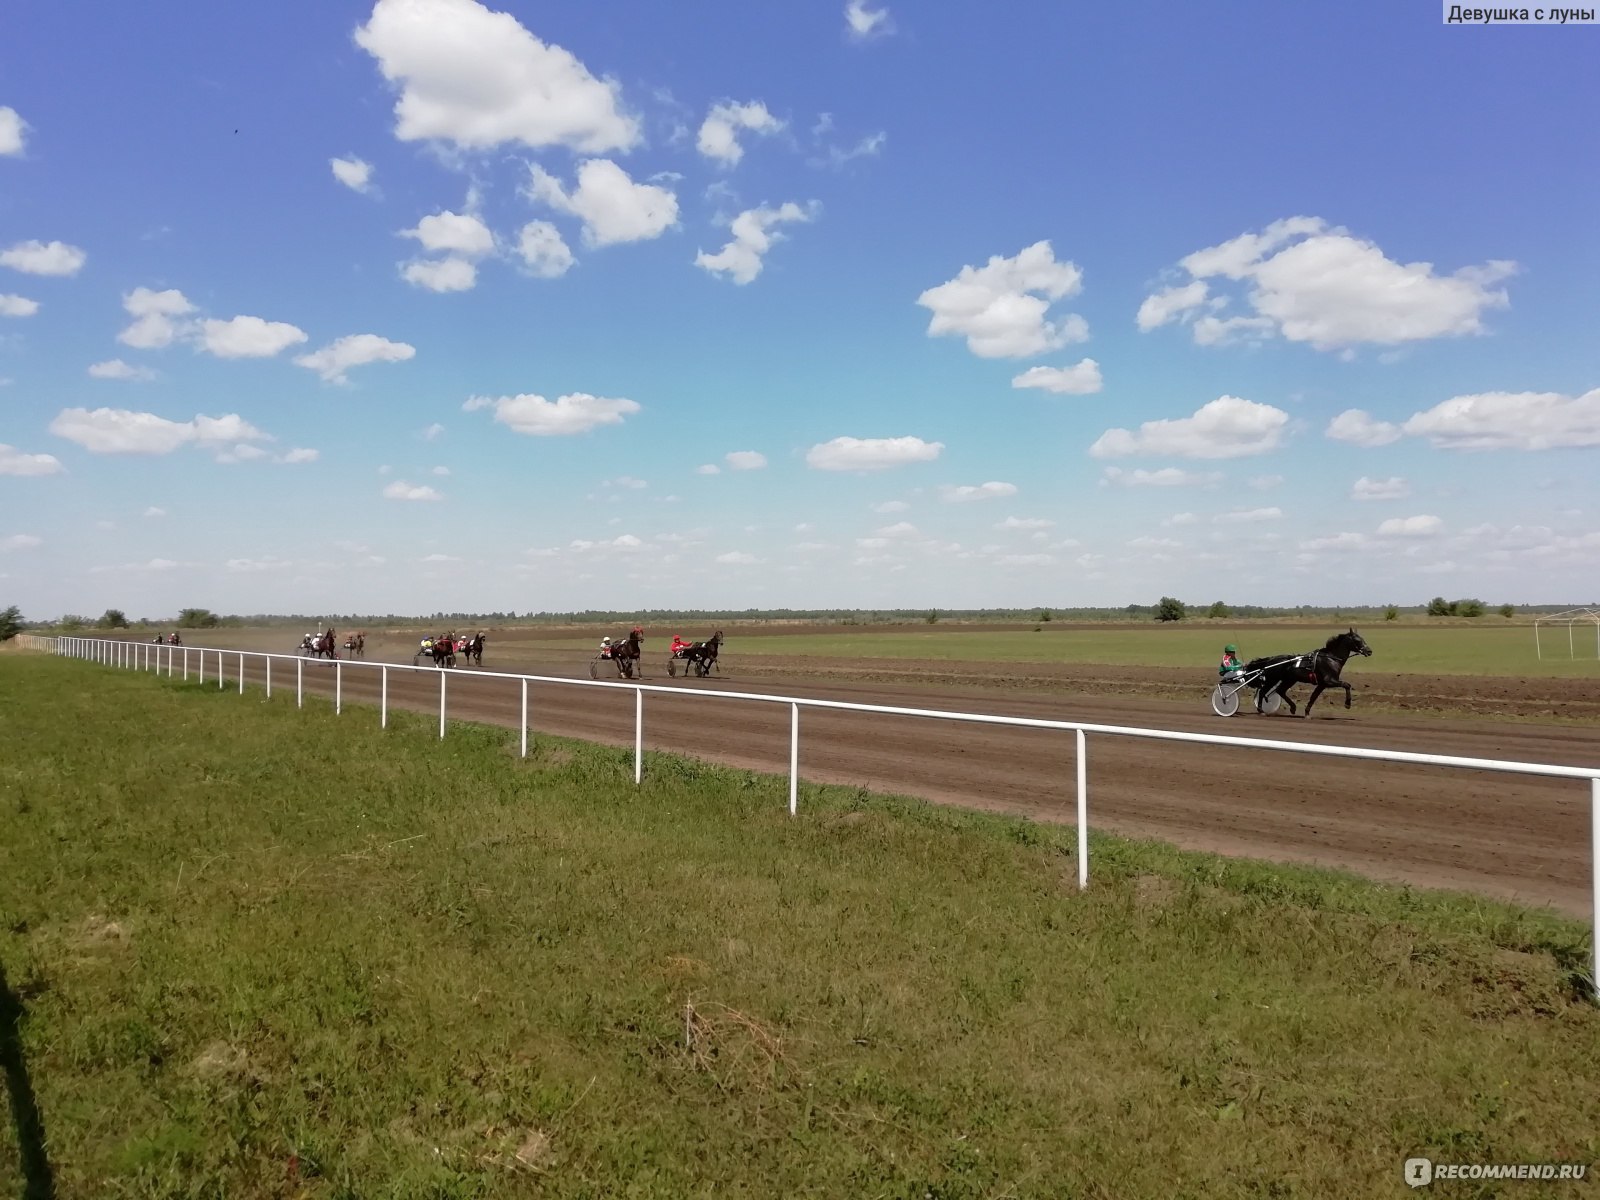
<point>149,656</point>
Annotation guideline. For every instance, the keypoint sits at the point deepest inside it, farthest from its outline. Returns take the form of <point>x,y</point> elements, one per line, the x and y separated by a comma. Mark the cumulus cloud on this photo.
<point>20,541</point>
<point>836,157</point>
<point>578,412</point>
<point>1336,541</point>
<point>1358,427</point>
<point>612,207</point>
<point>754,232</point>
<point>1311,282</point>
<point>1000,308</point>
<point>13,130</point>
<point>248,337</point>
<point>302,455</point>
<point>1227,427</point>
<point>738,558</point>
<point>708,469</point>
<point>152,565</point>
<point>891,506</point>
<point>1027,523</point>
<point>452,233</point>
<point>1393,488</point>
<point>719,134</point>
<point>15,462</point>
<point>871,454</point>
<point>433,432</point>
<point>745,460</point>
<point>543,251</point>
<point>1264,483</point>
<point>863,22</point>
<point>115,368</point>
<point>17,306</point>
<point>1246,516</point>
<point>44,258</point>
<point>1511,421</point>
<point>1080,380</point>
<point>1411,527</point>
<point>120,431</point>
<point>154,512</point>
<point>478,79</point>
<point>358,349</point>
<point>153,312</point>
<point>442,275</point>
<point>980,491</point>
<point>401,490</point>
<point>353,173</point>
<point>1166,477</point>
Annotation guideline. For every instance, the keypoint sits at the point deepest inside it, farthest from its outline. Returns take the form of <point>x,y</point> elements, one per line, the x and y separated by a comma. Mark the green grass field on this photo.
<point>250,951</point>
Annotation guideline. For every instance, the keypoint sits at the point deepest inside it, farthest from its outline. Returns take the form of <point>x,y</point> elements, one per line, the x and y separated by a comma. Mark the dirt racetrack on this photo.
<point>1516,837</point>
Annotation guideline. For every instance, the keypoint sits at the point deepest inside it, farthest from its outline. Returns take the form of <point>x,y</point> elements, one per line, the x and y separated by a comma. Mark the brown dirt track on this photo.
<point>1515,837</point>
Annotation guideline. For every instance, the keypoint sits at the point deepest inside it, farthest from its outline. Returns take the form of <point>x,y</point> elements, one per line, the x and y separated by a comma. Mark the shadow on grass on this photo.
<point>38,1181</point>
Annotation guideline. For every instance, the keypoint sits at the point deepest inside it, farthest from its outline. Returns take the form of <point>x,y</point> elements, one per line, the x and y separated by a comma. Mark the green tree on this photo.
<point>10,623</point>
<point>1218,610</point>
<point>1467,608</point>
<point>932,618</point>
<point>71,621</point>
<point>114,618</point>
<point>1044,614</point>
<point>197,618</point>
<point>1169,609</point>
<point>1391,613</point>
<point>1439,607</point>
<point>1507,611</point>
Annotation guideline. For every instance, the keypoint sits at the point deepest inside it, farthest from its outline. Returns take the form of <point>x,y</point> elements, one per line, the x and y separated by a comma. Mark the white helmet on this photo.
<point>605,641</point>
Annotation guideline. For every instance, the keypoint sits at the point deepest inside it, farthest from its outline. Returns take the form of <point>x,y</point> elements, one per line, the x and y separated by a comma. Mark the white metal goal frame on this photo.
<point>1572,618</point>
<point>144,656</point>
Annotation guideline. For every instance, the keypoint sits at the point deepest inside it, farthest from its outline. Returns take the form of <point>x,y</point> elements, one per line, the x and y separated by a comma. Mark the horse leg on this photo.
<point>1283,692</point>
<point>1315,692</point>
<point>1347,692</point>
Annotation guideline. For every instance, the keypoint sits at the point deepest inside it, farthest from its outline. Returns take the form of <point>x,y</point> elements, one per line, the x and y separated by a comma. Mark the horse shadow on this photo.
<point>38,1178</point>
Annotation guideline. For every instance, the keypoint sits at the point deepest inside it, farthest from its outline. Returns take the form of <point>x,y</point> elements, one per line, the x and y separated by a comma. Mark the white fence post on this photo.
<point>241,673</point>
<point>300,682</point>
<point>1594,878</point>
<point>222,672</point>
<point>202,675</point>
<point>186,664</point>
<point>1083,811</point>
<point>338,687</point>
<point>269,677</point>
<point>383,700</point>
<point>638,734</point>
<point>441,703</point>
<point>794,758</point>
<point>524,718</point>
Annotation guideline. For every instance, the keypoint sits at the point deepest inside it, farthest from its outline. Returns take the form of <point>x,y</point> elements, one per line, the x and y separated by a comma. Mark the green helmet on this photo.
<point>1231,649</point>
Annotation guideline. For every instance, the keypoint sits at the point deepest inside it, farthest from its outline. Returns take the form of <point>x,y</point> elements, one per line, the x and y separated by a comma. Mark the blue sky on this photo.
<point>425,305</point>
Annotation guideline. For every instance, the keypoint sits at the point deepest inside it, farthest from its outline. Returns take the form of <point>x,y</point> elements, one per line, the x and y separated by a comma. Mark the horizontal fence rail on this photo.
<point>151,656</point>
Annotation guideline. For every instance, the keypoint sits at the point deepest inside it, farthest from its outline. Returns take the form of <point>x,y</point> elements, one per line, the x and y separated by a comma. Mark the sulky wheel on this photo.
<point>672,667</point>
<point>1268,703</point>
<point>594,666</point>
<point>1224,700</point>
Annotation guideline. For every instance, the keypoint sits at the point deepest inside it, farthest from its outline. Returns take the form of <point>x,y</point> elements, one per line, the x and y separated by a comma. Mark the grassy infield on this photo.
<point>263,952</point>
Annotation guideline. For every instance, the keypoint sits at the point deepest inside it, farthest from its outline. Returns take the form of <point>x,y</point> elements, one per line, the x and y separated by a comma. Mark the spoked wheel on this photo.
<point>1224,700</point>
<point>672,667</point>
<point>594,666</point>
<point>1268,703</point>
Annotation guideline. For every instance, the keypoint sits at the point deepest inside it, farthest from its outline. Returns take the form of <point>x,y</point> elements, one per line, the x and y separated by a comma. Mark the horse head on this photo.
<point>1349,643</point>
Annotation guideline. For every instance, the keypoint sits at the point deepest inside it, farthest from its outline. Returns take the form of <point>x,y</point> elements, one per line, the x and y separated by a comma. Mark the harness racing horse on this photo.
<point>702,656</point>
<point>355,645</point>
<point>1280,672</point>
<point>444,650</point>
<point>627,653</point>
<point>472,649</point>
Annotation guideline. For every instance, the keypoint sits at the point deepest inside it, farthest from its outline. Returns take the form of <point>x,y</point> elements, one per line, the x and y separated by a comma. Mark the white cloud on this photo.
<point>1025,560</point>
<point>891,506</point>
<point>115,368</point>
<point>153,512</point>
<point>434,558</point>
<point>44,258</point>
<point>358,349</point>
<point>15,462</point>
<point>20,541</point>
<point>737,558</point>
<point>578,412</point>
<point>1422,526</point>
<point>1155,543</point>
<point>250,566</point>
<point>432,432</point>
<point>353,173</point>
<point>1080,380</point>
<point>1227,427</point>
<point>440,471</point>
<point>1178,519</point>
<point>1264,483</point>
<point>611,205</point>
<point>1161,307</point>
<point>871,454</point>
<point>1511,421</point>
<point>1314,283</point>
<point>626,541</point>
<point>12,305</point>
<point>1029,523</point>
<point>863,22</point>
<point>153,314</point>
<point>708,469</point>
<point>1356,426</point>
<point>745,460</point>
<point>151,565</point>
<point>1245,516</point>
<point>996,309</point>
<point>12,128</point>
<point>401,490</point>
<point>626,481</point>
<point>1393,488</point>
<point>452,233</point>
<point>834,156</point>
<point>444,275</point>
<point>900,529</point>
<point>119,431</point>
<point>754,232</point>
<point>1336,541</point>
<point>248,337</point>
<point>478,79</point>
<point>719,135</point>
<point>1166,477</point>
<point>981,491</point>
<point>543,251</point>
<point>301,455</point>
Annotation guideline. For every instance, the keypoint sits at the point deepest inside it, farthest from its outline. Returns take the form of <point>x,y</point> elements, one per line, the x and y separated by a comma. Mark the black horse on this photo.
<point>473,650</point>
<point>702,656</point>
<point>1321,668</point>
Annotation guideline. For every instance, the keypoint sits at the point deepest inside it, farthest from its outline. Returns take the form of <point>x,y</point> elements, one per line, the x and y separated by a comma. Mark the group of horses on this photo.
<point>444,648</point>
<point>625,655</point>
<point>322,645</point>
